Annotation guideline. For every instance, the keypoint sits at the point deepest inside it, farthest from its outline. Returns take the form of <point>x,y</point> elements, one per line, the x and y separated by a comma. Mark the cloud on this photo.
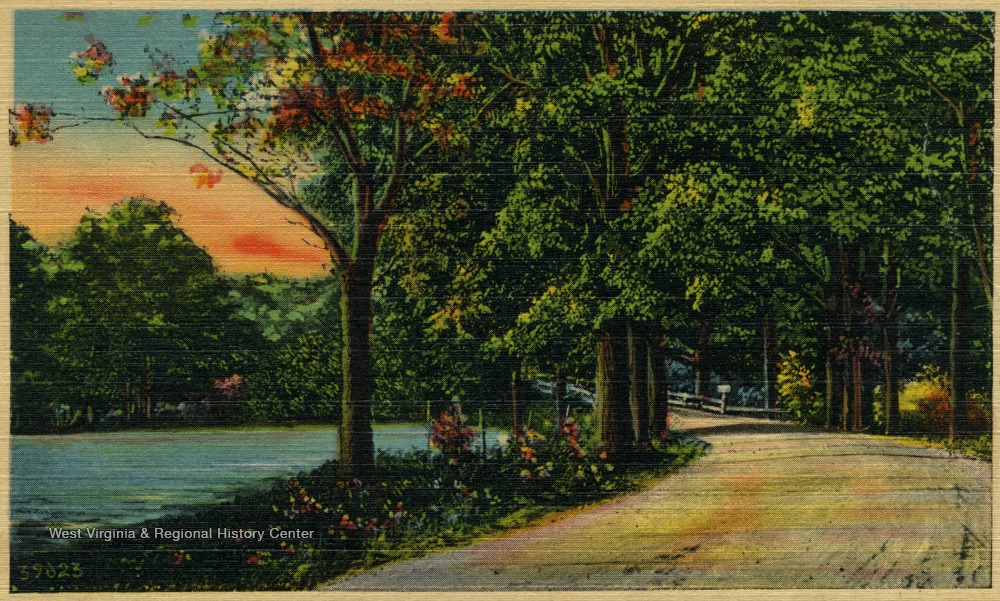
<point>254,244</point>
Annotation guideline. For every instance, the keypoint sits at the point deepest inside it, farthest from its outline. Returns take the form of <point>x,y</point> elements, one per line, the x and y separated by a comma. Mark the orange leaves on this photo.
<point>363,106</point>
<point>308,107</point>
<point>30,123</point>
<point>299,109</point>
<point>354,57</point>
<point>133,98</point>
<point>443,30</point>
<point>462,85</point>
<point>203,176</point>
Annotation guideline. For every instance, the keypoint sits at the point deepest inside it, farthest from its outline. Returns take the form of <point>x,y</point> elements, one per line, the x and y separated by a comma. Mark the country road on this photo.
<point>770,506</point>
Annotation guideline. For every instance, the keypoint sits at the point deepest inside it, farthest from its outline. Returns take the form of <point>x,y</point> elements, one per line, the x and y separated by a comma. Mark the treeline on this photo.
<point>796,203</point>
<point>127,323</point>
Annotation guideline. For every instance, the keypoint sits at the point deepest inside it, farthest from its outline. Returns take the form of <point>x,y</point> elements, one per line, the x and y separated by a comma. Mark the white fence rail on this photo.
<point>706,403</point>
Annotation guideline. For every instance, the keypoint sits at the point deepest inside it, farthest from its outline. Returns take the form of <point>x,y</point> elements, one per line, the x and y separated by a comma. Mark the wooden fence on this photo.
<point>719,405</point>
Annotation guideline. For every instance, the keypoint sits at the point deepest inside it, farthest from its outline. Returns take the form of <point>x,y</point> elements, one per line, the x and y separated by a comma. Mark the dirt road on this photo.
<point>771,506</point>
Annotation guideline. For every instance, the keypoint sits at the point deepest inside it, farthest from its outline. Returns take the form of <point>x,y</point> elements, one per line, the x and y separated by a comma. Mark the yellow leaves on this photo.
<point>464,303</point>
<point>551,303</point>
<point>699,19</point>
<point>521,107</point>
<point>414,283</point>
<point>289,24</point>
<point>682,190</point>
<point>291,69</point>
<point>805,107</point>
<point>794,378</point>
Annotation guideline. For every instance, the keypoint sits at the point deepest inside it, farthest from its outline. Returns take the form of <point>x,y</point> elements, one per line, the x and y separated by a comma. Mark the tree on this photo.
<point>33,369</point>
<point>595,98</point>
<point>359,97</point>
<point>140,311</point>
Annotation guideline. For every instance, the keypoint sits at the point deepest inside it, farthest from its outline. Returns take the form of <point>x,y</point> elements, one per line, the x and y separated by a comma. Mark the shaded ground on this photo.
<point>771,506</point>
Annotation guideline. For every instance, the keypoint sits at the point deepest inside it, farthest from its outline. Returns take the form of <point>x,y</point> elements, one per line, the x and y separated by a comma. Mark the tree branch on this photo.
<point>329,238</point>
<point>345,138</point>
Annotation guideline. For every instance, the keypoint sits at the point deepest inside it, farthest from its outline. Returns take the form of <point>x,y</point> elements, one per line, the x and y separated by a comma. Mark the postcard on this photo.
<point>509,300</point>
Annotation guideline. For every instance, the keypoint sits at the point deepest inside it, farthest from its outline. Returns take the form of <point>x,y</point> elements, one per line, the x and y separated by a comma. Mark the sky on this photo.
<point>95,165</point>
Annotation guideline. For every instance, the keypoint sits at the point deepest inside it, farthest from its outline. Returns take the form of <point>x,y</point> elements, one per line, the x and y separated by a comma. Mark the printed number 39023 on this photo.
<point>50,571</point>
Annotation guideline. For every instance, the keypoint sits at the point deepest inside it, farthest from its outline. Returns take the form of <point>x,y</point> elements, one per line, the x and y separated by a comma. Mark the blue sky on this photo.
<point>44,40</point>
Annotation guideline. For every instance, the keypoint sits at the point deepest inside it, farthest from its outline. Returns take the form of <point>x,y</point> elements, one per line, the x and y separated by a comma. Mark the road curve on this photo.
<point>770,506</point>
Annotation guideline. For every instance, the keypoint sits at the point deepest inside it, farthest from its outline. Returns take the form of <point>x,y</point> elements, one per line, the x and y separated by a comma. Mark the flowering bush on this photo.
<point>571,436</point>
<point>451,435</point>
<point>980,412</point>
<point>559,467</point>
<point>229,387</point>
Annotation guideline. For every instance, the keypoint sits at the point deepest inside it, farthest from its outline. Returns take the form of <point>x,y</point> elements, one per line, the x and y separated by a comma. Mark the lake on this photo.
<point>118,478</point>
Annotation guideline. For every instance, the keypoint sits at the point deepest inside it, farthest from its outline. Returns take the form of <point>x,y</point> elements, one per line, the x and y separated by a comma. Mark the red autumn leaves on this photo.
<point>387,49</point>
<point>132,98</point>
<point>368,52</point>
<point>30,123</point>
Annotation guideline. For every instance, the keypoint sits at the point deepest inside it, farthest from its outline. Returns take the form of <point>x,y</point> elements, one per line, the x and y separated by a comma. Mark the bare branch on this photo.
<point>333,243</point>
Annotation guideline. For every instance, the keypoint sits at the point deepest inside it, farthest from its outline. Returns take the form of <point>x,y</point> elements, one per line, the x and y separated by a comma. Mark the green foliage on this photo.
<point>796,390</point>
<point>134,303</point>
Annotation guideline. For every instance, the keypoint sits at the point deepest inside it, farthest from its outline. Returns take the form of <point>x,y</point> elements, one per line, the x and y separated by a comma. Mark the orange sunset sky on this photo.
<point>97,165</point>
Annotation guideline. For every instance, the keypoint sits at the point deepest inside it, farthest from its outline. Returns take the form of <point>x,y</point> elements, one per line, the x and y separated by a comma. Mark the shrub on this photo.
<point>980,447</point>
<point>559,468</point>
<point>935,411</point>
<point>451,436</point>
<point>933,404</point>
<point>796,390</point>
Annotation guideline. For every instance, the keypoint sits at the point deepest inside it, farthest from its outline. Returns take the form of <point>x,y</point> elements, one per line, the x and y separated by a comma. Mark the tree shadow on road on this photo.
<point>750,427</point>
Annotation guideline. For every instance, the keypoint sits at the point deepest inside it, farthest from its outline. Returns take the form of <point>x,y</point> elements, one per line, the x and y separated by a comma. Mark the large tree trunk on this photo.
<point>890,341</point>
<point>835,386</point>
<point>638,386</point>
<point>856,393</point>
<point>833,333</point>
<point>959,347</point>
<point>560,400</point>
<point>977,191</point>
<point>847,332</point>
<point>660,425</point>
<point>357,448</point>
<point>614,415</point>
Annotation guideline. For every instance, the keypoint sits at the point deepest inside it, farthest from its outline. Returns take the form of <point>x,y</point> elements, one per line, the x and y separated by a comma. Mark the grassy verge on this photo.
<point>980,447</point>
<point>421,502</point>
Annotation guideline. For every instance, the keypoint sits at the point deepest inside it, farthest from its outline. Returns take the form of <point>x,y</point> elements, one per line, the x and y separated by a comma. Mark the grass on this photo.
<point>421,502</point>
